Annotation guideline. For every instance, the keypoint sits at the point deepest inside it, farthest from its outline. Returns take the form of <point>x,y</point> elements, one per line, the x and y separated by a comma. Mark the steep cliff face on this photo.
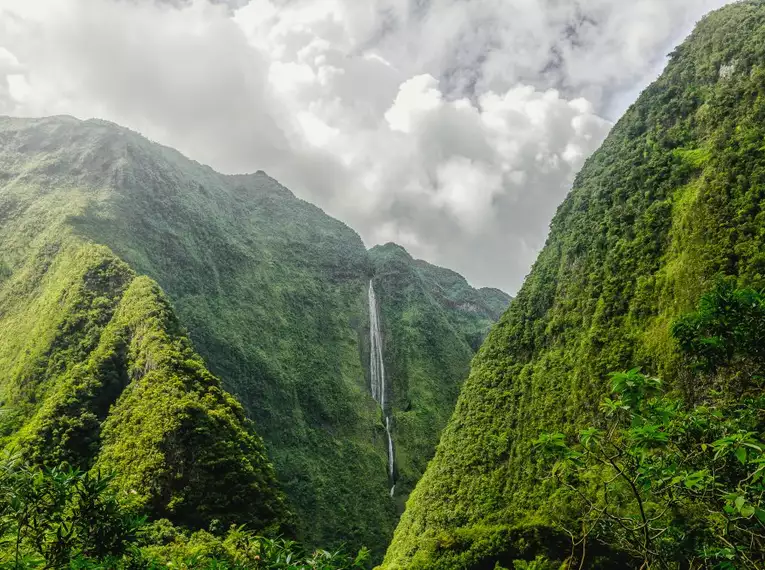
<point>673,199</point>
<point>431,318</point>
<point>273,294</point>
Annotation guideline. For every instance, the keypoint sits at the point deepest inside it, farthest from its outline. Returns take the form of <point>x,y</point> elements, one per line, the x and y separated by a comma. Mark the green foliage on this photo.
<point>667,484</point>
<point>728,330</point>
<point>273,294</point>
<point>671,202</point>
<point>671,483</point>
<point>52,517</point>
<point>63,518</point>
<point>539,563</point>
<point>490,546</point>
<point>238,549</point>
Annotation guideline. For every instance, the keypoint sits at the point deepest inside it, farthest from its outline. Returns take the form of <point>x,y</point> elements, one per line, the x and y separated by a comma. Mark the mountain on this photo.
<point>672,201</point>
<point>100,374</point>
<point>160,318</point>
<point>433,320</point>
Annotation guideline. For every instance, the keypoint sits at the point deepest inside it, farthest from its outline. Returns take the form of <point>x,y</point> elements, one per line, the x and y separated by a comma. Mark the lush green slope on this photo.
<point>273,293</point>
<point>431,318</point>
<point>674,198</point>
<point>106,377</point>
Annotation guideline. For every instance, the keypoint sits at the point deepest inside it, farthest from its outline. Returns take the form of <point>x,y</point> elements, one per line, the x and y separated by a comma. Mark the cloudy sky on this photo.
<point>453,127</point>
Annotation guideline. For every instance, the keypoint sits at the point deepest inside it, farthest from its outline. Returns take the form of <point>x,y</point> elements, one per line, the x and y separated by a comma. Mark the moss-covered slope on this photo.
<point>105,377</point>
<point>271,290</point>
<point>273,294</point>
<point>674,198</point>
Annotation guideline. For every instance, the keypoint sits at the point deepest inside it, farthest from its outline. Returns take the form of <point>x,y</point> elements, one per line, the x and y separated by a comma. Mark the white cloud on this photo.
<point>451,126</point>
<point>417,95</point>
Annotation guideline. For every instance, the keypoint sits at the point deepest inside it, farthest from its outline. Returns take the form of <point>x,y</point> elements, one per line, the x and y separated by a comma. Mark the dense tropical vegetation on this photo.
<point>157,319</point>
<point>672,201</point>
<point>184,358</point>
<point>64,518</point>
<point>663,483</point>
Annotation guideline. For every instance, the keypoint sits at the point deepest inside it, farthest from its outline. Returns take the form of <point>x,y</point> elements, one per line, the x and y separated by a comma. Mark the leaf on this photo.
<point>590,436</point>
<point>741,455</point>
<point>695,480</point>
<point>747,511</point>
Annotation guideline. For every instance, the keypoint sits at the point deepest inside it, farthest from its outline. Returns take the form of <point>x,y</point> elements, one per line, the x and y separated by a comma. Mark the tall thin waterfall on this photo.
<point>377,376</point>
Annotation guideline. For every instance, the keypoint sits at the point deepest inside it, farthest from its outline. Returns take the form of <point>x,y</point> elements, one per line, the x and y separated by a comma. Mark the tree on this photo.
<point>675,484</point>
<point>59,515</point>
<point>64,518</point>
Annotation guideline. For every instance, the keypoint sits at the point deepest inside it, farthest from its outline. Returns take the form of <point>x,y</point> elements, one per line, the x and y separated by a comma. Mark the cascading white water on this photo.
<point>377,375</point>
<point>390,456</point>
<point>376,365</point>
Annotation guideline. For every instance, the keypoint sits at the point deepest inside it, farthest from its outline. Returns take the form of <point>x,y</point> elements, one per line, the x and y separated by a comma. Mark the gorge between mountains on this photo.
<point>201,370</point>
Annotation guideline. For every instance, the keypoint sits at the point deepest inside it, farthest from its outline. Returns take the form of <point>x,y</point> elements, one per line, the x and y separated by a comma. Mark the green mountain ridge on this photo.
<point>673,201</point>
<point>115,385</point>
<point>273,296</point>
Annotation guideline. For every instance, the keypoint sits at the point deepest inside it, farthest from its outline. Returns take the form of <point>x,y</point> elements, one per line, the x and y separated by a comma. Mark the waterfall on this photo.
<point>391,474</point>
<point>376,365</point>
<point>377,376</point>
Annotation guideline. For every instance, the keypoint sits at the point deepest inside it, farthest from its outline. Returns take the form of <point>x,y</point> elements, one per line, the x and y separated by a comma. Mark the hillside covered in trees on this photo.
<point>197,368</point>
<point>672,203</point>
<point>157,319</point>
